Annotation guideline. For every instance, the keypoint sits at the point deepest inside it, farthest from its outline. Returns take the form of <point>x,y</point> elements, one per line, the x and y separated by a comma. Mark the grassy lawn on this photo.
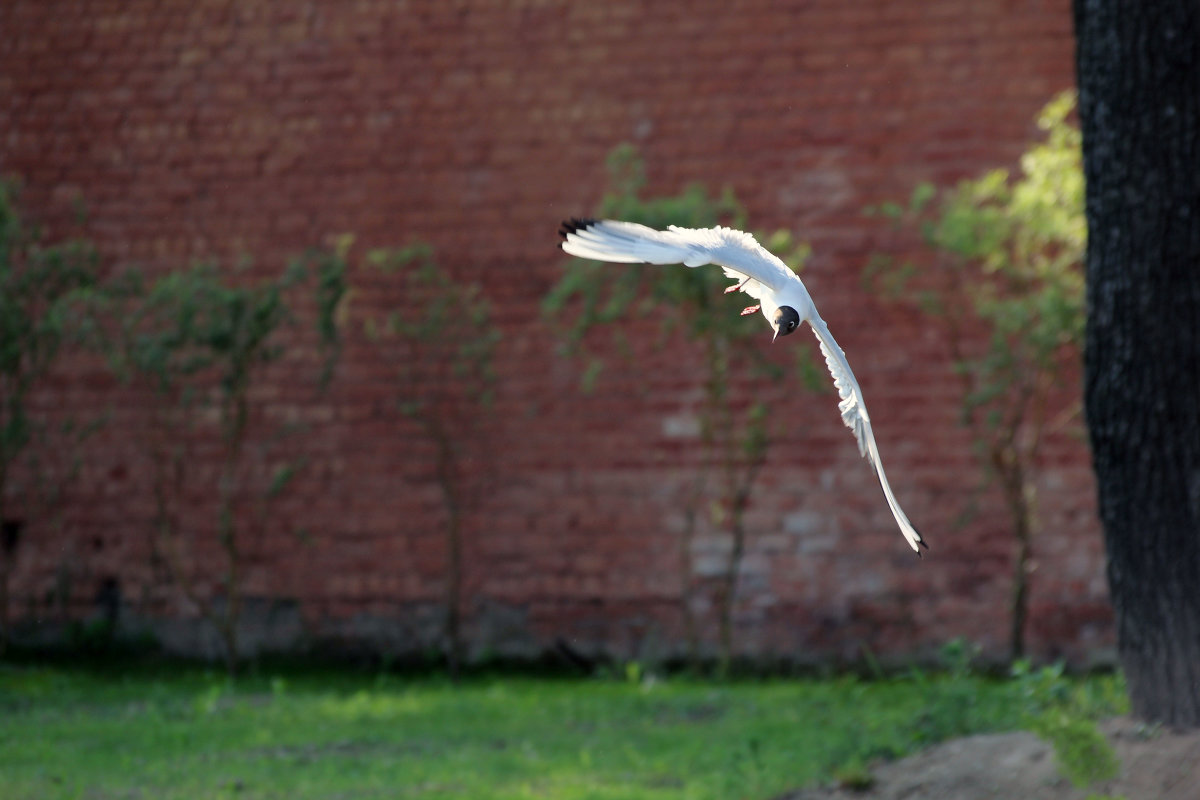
<point>183,732</point>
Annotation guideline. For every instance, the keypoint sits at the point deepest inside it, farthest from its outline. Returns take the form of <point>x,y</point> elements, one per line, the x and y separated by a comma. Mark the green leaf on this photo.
<point>283,476</point>
<point>922,194</point>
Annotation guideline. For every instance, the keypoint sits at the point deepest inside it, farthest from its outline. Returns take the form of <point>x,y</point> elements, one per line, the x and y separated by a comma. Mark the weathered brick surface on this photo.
<point>218,128</point>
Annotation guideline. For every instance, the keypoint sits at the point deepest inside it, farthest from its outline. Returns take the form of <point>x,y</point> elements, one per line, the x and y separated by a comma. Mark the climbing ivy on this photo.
<point>439,343</point>
<point>690,304</point>
<point>199,339</point>
<point>39,282</point>
<point>1002,275</point>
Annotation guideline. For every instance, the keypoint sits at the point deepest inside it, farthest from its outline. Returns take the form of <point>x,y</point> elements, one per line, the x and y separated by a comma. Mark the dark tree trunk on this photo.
<point>1139,106</point>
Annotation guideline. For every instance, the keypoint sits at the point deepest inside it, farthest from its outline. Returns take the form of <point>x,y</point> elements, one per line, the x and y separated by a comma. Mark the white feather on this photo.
<point>854,415</point>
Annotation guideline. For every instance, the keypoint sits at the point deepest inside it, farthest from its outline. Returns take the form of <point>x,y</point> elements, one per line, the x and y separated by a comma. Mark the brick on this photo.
<point>262,130</point>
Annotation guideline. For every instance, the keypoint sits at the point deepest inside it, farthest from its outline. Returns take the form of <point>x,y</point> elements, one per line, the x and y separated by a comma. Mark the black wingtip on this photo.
<point>574,224</point>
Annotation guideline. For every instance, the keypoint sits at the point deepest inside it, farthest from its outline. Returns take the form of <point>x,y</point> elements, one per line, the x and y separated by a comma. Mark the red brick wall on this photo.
<point>216,129</point>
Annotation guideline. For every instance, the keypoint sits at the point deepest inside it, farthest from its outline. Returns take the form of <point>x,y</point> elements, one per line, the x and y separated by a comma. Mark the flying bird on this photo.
<point>782,299</point>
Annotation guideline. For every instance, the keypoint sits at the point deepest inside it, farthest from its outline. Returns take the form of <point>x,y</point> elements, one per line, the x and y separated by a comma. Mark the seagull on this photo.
<point>782,299</point>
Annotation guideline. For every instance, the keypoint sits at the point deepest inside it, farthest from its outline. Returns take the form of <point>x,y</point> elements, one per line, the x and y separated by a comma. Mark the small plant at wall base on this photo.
<point>1005,282</point>
<point>1055,711</point>
<point>38,282</point>
<point>200,345</point>
<point>690,303</point>
<point>441,343</point>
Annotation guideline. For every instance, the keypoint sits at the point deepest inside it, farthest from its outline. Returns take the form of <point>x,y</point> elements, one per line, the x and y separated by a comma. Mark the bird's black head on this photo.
<point>786,320</point>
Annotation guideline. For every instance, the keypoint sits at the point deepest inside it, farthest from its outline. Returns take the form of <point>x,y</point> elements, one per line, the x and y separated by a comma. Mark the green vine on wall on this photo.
<point>440,344</point>
<point>690,304</point>
<point>200,340</point>
<point>39,284</point>
<point>1003,278</point>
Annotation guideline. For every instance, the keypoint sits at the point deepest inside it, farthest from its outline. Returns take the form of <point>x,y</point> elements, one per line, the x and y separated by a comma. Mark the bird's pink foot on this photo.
<point>736,286</point>
<point>750,310</point>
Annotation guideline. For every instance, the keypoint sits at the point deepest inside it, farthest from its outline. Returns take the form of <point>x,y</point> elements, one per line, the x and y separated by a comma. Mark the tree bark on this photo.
<point>1139,105</point>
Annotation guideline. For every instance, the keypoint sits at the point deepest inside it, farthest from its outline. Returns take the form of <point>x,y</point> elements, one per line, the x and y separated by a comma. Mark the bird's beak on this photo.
<point>776,336</point>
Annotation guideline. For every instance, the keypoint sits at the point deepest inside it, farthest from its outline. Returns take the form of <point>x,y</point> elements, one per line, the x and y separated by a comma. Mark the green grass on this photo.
<point>183,732</point>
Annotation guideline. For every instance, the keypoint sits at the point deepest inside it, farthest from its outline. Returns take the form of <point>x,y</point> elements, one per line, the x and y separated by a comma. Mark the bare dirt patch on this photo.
<point>1155,765</point>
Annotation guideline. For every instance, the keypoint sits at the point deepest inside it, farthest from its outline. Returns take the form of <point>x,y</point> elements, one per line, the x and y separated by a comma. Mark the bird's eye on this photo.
<point>791,325</point>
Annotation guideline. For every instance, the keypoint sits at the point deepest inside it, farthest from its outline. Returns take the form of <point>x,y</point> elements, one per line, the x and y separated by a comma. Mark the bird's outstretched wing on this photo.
<point>854,414</point>
<point>743,258</point>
